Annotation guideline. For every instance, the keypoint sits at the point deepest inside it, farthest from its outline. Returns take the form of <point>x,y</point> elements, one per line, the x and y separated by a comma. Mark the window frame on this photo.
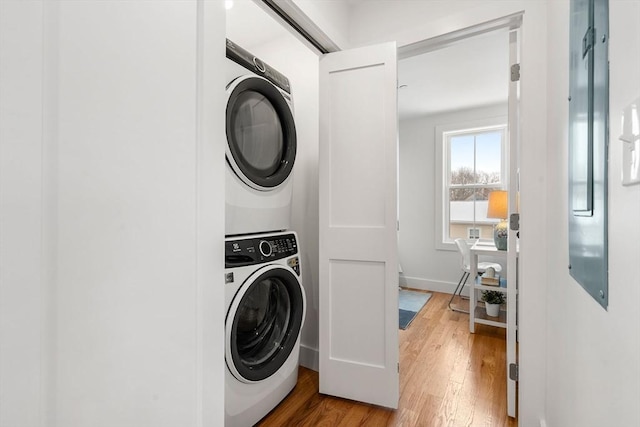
<point>443,166</point>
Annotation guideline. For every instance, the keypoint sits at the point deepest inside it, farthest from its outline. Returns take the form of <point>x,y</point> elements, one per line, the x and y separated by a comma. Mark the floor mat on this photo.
<point>409,304</point>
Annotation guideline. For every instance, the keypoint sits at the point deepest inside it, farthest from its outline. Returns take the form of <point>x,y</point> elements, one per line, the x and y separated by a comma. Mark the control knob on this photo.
<point>265,248</point>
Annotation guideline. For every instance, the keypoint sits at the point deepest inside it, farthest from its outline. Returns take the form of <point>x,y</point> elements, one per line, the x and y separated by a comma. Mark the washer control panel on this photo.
<point>257,250</point>
<point>256,65</point>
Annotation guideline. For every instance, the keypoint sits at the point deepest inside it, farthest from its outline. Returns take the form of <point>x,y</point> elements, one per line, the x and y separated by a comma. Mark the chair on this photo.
<point>465,266</point>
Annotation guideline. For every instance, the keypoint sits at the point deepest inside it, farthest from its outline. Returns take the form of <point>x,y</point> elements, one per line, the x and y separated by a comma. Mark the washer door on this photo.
<point>264,322</point>
<point>261,133</point>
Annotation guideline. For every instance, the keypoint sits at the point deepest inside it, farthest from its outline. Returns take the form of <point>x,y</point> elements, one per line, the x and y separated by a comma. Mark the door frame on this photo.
<point>513,24</point>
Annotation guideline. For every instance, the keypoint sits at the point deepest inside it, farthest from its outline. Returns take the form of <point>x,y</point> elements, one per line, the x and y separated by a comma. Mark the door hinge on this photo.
<point>398,367</point>
<point>515,73</point>
<point>513,371</point>
<point>514,222</point>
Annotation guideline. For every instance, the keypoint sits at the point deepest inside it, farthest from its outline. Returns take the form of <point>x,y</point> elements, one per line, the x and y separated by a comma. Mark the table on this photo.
<point>477,314</point>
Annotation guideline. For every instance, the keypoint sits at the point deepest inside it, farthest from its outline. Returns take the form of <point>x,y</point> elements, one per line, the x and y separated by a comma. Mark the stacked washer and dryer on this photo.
<point>263,291</point>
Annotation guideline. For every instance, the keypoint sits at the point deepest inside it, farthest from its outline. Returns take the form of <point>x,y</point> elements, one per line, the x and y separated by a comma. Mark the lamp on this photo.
<point>498,208</point>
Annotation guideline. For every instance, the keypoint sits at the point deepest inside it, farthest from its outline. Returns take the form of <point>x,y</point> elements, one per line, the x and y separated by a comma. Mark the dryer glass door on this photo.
<point>266,322</point>
<point>261,134</point>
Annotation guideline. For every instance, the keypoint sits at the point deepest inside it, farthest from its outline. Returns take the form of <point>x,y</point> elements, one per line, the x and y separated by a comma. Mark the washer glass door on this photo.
<point>266,317</point>
<point>261,134</point>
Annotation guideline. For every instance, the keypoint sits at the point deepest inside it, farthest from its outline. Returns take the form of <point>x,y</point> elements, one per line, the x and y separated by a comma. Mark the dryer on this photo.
<point>261,145</point>
<point>265,312</point>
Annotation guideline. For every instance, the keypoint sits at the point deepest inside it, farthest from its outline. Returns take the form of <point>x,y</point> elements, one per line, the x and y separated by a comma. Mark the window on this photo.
<point>473,163</point>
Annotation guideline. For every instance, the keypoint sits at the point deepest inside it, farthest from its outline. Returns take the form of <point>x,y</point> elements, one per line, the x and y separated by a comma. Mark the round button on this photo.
<point>265,248</point>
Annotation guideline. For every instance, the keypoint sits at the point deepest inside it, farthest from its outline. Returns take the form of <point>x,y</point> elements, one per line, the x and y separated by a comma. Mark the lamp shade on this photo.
<point>498,206</point>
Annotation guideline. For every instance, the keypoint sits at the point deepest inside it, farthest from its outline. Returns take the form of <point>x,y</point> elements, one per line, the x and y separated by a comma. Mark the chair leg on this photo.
<point>458,291</point>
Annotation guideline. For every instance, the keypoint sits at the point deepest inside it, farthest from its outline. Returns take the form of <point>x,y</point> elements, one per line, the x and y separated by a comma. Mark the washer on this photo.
<point>266,306</point>
<point>261,145</point>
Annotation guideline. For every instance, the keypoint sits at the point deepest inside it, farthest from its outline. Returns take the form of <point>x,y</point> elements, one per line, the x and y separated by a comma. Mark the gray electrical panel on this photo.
<point>588,146</point>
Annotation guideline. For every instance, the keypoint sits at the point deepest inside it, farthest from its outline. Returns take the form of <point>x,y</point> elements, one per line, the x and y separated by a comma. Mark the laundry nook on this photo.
<point>319,212</point>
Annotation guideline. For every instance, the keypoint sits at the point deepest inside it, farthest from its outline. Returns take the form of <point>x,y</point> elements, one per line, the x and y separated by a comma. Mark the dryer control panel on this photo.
<point>256,65</point>
<point>258,250</point>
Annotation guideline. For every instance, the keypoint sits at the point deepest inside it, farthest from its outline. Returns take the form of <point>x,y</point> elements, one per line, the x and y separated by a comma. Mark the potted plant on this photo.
<point>492,301</point>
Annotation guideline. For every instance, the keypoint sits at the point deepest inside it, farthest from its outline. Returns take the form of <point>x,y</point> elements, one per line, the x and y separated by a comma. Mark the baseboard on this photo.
<point>309,357</point>
<point>429,285</point>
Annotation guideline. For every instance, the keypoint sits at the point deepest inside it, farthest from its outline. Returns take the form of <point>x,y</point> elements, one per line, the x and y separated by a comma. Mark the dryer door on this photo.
<point>264,322</point>
<point>261,133</point>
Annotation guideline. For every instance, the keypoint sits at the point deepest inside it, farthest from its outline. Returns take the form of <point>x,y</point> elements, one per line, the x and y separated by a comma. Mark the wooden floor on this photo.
<point>448,377</point>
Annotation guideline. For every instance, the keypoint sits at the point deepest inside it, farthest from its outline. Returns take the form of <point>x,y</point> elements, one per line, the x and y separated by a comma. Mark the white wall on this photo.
<point>332,16</point>
<point>22,305</point>
<point>594,355</point>
<point>112,228</point>
<point>424,266</point>
<point>409,21</point>
<point>398,20</point>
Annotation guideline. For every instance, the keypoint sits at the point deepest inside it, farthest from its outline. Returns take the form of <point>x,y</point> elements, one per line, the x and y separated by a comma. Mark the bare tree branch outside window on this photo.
<point>465,176</point>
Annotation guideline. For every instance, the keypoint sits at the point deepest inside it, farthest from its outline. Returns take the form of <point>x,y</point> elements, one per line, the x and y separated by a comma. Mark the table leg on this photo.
<point>473,297</point>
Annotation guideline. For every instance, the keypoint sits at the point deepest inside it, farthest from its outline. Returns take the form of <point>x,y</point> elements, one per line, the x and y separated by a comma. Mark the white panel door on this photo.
<point>358,250</point>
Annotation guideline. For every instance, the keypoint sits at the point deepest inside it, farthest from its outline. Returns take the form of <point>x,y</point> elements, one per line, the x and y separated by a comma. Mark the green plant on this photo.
<point>493,297</point>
